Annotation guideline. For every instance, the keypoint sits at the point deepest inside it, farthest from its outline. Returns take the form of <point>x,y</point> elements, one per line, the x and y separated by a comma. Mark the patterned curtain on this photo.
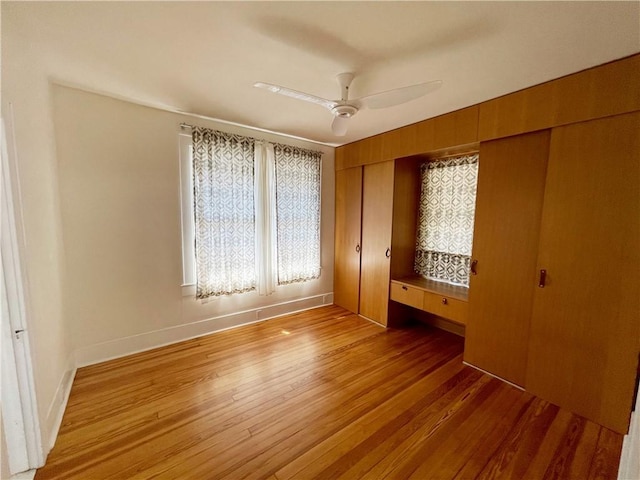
<point>445,219</point>
<point>298,213</point>
<point>223,187</point>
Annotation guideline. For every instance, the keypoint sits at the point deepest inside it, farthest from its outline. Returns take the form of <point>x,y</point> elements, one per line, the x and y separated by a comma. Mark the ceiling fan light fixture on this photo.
<point>344,108</point>
<point>344,111</point>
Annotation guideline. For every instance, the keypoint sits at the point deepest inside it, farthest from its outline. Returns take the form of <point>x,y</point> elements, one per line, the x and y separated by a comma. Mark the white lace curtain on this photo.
<point>298,212</point>
<point>223,187</point>
<point>256,212</point>
<point>445,219</point>
<point>265,204</point>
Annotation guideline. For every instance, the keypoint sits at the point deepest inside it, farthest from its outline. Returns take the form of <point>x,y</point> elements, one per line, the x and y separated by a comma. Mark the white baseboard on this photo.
<point>121,347</point>
<point>59,404</point>
<point>28,475</point>
<point>629,457</point>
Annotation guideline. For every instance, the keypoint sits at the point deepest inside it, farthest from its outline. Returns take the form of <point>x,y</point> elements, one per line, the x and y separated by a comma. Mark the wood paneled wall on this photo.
<point>456,128</point>
<point>598,92</point>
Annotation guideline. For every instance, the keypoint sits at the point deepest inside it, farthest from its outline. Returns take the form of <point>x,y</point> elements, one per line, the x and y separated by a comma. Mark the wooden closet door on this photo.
<point>377,213</point>
<point>346,276</point>
<point>511,180</point>
<point>585,329</point>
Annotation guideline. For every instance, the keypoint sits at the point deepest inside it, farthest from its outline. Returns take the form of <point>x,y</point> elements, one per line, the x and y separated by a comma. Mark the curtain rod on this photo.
<point>186,125</point>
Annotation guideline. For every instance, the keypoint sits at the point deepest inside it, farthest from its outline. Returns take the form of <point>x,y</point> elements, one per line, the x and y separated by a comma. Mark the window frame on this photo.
<point>187,215</point>
<point>187,218</point>
<point>422,201</point>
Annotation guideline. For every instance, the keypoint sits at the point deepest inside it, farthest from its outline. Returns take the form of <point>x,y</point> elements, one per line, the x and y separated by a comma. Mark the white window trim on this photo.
<point>186,216</point>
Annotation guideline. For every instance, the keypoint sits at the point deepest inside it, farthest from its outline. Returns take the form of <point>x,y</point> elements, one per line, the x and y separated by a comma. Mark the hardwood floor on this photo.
<point>320,394</point>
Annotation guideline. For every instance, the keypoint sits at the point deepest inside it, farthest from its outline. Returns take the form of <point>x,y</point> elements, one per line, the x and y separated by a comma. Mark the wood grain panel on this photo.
<point>406,199</point>
<point>446,307</point>
<point>403,293</point>
<point>362,152</point>
<point>346,277</point>
<point>445,131</point>
<point>585,334</point>
<point>439,288</point>
<point>456,128</point>
<point>335,397</point>
<point>377,212</point>
<point>401,142</point>
<point>509,201</point>
<point>340,154</point>
<point>517,113</point>
<point>601,91</point>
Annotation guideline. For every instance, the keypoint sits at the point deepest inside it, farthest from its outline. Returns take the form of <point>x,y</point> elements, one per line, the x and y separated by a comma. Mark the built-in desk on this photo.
<point>446,301</point>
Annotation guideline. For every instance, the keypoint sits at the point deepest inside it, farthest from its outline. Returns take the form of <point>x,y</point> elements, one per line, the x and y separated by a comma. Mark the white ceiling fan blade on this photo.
<point>329,104</point>
<point>398,96</point>
<point>339,126</point>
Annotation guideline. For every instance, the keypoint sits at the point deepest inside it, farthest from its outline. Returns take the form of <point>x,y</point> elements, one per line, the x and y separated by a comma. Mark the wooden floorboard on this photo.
<point>319,394</point>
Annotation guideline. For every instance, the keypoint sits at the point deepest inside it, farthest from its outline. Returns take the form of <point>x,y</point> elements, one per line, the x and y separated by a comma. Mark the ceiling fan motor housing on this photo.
<point>344,111</point>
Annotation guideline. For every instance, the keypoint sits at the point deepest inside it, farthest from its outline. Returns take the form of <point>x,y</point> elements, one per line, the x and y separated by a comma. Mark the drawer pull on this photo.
<point>358,248</point>
<point>444,301</point>
<point>404,287</point>
<point>388,253</point>
<point>543,278</point>
<point>473,267</point>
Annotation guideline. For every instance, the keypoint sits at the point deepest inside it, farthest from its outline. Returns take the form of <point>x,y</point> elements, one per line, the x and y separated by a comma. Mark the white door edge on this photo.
<point>15,315</point>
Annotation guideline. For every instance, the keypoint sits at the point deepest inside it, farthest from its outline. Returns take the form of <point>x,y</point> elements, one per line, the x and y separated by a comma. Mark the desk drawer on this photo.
<point>407,294</point>
<point>446,307</point>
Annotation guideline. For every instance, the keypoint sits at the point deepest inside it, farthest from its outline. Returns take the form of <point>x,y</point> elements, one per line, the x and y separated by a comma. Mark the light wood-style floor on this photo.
<point>320,394</point>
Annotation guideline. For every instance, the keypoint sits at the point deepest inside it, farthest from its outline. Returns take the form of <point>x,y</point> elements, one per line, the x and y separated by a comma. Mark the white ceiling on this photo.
<point>203,57</point>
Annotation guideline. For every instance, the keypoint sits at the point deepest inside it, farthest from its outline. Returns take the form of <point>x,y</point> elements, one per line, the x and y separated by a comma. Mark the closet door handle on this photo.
<point>473,267</point>
<point>388,253</point>
<point>358,248</point>
<point>542,281</point>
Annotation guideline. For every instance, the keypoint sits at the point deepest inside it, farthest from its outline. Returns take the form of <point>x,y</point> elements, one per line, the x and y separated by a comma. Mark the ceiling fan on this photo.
<point>344,108</point>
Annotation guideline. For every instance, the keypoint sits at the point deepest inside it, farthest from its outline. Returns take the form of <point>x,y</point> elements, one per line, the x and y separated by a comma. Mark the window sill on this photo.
<point>189,290</point>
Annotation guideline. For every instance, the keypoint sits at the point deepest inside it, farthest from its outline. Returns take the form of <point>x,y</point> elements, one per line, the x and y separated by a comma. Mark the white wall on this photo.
<point>120,203</point>
<point>101,241</point>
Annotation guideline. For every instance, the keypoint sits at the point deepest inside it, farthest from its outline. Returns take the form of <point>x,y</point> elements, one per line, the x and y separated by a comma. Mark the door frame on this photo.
<point>21,422</point>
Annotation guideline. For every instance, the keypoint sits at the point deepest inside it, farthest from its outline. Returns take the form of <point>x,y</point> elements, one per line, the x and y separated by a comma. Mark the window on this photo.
<point>251,213</point>
<point>445,219</point>
<point>298,214</point>
<point>224,218</point>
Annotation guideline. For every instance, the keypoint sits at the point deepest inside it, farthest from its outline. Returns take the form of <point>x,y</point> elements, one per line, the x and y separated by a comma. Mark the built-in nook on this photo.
<point>550,299</point>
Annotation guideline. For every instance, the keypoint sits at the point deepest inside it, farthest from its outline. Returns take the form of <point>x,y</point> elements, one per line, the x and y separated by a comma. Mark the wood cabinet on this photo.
<point>364,209</point>
<point>346,276</point>
<point>437,298</point>
<point>376,208</point>
<point>446,307</point>
<point>407,294</point>
<point>599,92</point>
<point>453,129</point>
<point>585,327</point>
<point>511,183</point>
<point>564,199</point>
<point>377,216</point>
